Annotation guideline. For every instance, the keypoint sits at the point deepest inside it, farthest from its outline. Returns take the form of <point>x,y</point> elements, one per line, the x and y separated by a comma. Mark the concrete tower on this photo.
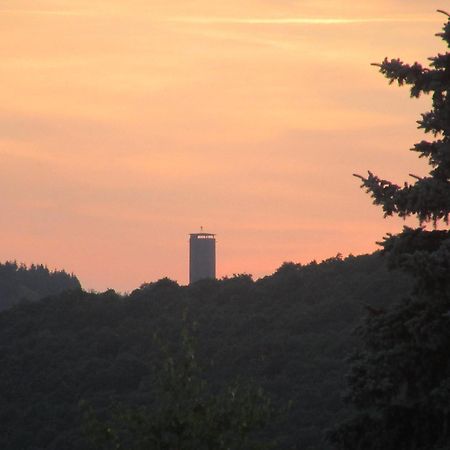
<point>202,256</point>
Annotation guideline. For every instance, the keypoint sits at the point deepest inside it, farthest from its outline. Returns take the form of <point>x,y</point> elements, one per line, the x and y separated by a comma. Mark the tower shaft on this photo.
<point>202,256</point>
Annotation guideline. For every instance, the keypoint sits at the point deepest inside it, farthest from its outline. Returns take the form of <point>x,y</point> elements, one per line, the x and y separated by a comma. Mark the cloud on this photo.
<point>43,12</point>
<point>294,20</point>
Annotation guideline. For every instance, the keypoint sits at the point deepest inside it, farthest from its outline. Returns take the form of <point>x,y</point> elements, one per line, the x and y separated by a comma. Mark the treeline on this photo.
<point>19,282</point>
<point>289,333</point>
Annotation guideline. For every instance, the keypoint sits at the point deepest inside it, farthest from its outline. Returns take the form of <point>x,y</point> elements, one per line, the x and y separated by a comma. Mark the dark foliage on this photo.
<point>289,333</point>
<point>185,413</point>
<point>19,283</point>
<point>399,383</point>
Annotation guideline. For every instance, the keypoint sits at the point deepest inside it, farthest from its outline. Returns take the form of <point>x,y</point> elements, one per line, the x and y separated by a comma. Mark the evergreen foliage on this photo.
<point>19,283</point>
<point>399,383</point>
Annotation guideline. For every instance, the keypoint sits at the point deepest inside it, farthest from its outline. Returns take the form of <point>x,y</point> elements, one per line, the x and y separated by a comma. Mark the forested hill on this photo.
<point>19,282</point>
<point>289,332</point>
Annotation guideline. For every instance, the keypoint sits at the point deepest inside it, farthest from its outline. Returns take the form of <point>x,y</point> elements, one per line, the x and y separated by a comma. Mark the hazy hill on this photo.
<point>289,332</point>
<point>19,282</point>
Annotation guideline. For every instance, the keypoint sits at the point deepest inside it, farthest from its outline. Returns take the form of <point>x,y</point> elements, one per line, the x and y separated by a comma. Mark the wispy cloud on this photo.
<point>43,12</point>
<point>294,20</point>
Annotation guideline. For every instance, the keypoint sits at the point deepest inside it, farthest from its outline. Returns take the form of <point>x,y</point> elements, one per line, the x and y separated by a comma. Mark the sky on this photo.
<point>125,126</point>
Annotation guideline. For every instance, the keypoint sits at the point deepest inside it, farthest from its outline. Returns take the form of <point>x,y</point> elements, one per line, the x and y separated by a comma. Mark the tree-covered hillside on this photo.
<point>289,333</point>
<point>19,282</point>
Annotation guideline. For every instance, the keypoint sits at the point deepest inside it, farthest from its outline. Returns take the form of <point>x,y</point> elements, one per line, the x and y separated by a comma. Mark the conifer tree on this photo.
<point>399,382</point>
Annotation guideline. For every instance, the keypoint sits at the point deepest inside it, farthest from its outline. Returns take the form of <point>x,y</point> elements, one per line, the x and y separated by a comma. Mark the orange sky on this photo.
<point>124,126</point>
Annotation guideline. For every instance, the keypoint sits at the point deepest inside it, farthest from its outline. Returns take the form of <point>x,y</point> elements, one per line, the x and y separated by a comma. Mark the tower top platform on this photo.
<point>202,235</point>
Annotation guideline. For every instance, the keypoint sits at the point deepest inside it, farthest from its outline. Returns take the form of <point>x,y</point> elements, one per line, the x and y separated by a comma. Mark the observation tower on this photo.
<point>202,256</point>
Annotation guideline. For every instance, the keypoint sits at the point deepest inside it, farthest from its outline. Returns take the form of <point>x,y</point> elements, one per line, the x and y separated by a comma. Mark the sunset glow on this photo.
<point>125,126</point>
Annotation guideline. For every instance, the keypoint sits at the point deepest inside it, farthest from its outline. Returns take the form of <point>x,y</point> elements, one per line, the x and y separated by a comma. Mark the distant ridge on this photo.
<point>19,282</point>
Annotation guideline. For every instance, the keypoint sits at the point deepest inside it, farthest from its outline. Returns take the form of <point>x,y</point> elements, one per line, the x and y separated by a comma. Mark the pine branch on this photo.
<point>443,12</point>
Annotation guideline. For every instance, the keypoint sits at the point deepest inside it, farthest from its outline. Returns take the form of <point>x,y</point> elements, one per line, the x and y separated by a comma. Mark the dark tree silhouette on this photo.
<point>21,283</point>
<point>399,384</point>
<point>288,333</point>
<point>186,414</point>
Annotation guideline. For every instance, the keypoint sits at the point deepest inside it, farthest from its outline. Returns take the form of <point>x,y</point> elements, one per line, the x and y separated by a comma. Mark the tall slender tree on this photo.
<point>399,382</point>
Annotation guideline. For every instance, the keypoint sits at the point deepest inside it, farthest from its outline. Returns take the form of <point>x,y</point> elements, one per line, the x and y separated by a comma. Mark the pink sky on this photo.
<point>125,126</point>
